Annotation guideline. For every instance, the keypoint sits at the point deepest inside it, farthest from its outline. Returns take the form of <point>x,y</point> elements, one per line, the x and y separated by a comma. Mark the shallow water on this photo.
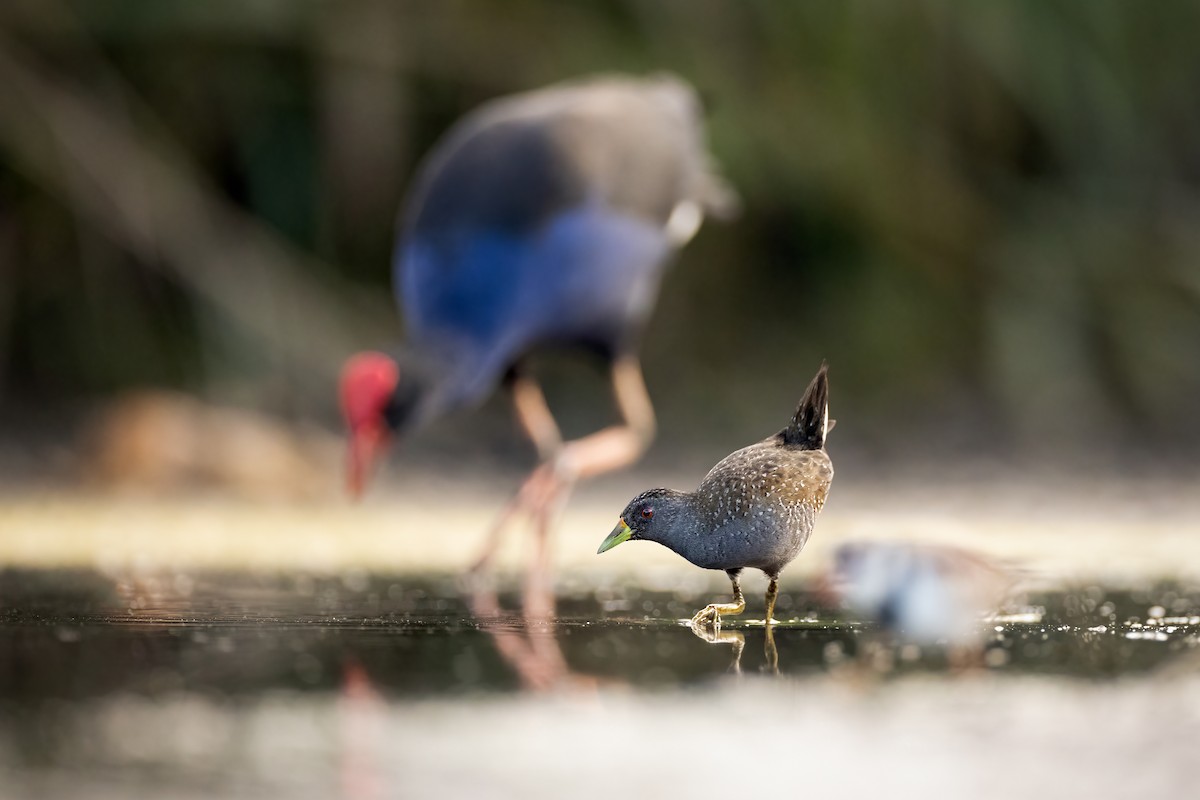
<point>81,634</point>
<point>132,684</point>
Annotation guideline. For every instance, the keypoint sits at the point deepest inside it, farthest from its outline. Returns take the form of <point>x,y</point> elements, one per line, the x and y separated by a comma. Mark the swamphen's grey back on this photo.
<point>546,219</point>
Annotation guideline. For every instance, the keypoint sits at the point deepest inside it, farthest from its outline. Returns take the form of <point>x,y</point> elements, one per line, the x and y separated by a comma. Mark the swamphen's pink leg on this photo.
<point>547,487</point>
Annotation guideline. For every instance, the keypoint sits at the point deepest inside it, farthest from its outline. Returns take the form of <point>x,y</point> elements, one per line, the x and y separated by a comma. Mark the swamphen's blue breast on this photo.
<point>547,218</point>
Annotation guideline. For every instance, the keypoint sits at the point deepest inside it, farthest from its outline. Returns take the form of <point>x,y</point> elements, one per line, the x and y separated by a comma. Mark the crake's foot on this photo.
<point>708,618</point>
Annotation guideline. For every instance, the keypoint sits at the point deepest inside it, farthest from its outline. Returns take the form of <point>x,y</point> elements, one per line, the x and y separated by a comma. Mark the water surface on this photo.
<point>235,683</point>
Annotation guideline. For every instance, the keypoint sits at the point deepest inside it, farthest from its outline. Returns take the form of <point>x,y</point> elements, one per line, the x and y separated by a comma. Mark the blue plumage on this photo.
<point>588,277</point>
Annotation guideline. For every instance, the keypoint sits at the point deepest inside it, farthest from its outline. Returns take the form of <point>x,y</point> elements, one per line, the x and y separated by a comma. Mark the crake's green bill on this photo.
<point>619,534</point>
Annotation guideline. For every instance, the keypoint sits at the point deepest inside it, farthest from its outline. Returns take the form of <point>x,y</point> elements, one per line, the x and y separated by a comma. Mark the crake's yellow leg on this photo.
<point>710,615</point>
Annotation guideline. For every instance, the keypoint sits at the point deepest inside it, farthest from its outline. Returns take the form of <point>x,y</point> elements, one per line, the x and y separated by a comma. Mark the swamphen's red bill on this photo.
<point>367,385</point>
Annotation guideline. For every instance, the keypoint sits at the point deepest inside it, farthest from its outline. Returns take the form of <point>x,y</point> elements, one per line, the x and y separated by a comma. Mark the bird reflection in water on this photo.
<point>527,642</point>
<point>362,715</point>
<point>737,640</point>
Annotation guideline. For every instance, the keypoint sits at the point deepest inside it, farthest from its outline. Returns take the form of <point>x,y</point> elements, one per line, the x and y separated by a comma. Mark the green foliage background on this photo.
<point>985,215</point>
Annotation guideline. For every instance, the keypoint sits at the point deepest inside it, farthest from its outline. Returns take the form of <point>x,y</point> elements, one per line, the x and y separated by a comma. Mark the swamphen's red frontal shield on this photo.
<point>368,383</point>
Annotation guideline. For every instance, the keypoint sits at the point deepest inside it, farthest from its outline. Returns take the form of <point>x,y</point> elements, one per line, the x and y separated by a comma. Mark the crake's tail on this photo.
<point>811,423</point>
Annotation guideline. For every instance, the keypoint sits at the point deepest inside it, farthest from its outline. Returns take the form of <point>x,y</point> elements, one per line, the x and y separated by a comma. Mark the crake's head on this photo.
<point>367,387</point>
<point>652,516</point>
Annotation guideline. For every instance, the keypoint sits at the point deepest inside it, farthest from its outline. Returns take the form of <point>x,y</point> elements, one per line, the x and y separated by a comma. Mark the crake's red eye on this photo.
<point>647,513</point>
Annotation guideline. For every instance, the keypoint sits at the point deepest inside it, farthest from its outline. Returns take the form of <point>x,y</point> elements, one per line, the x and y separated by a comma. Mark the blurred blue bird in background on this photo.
<point>541,220</point>
<point>921,594</point>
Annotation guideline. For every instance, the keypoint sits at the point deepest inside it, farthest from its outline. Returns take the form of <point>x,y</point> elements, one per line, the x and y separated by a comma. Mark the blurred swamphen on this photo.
<point>541,220</point>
